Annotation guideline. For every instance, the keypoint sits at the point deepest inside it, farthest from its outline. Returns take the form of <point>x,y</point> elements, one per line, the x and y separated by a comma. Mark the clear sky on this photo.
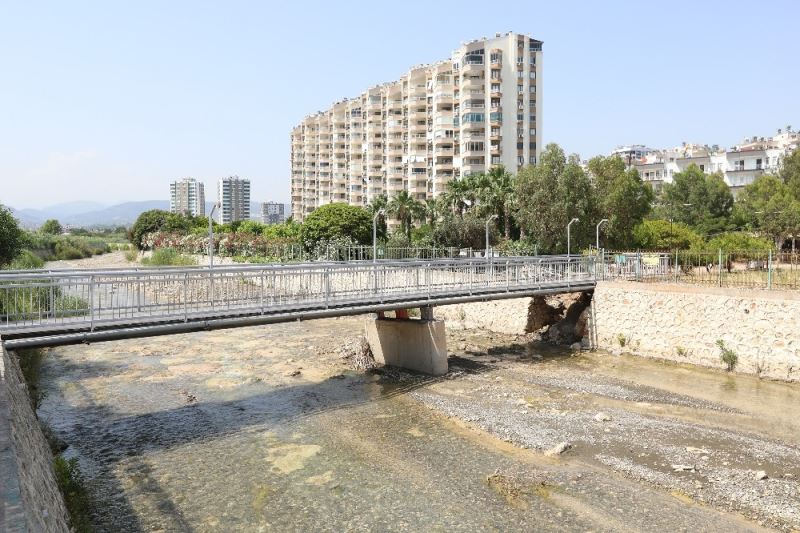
<point>110,100</point>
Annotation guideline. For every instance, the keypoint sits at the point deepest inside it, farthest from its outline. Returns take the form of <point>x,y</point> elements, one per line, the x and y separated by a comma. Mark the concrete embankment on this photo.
<point>685,323</point>
<point>29,496</point>
<point>676,322</point>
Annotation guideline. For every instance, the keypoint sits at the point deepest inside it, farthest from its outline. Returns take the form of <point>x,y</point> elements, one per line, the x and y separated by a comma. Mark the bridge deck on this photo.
<point>63,307</point>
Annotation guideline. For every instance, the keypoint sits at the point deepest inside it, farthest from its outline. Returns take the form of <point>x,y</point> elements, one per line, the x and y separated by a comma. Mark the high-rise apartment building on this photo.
<point>479,109</point>
<point>187,196</point>
<point>234,199</point>
<point>273,213</point>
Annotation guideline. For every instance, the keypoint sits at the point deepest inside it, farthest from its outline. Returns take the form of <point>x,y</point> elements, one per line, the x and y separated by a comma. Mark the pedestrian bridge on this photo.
<point>56,307</point>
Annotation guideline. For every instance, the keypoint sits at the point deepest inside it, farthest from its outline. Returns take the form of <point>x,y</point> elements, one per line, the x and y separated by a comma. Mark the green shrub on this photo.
<point>335,221</point>
<point>73,487</point>
<point>26,260</point>
<point>168,257</point>
<point>12,238</point>
<point>663,235</point>
<point>467,232</point>
<point>739,242</point>
<point>727,355</point>
<point>131,255</point>
<point>159,220</point>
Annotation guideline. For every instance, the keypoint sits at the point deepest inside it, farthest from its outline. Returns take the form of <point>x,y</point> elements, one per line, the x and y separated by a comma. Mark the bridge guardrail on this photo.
<point>37,301</point>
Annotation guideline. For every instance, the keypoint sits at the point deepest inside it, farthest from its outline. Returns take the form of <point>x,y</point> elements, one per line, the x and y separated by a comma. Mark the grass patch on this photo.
<point>131,255</point>
<point>727,355</point>
<point>30,362</point>
<point>168,257</point>
<point>72,485</point>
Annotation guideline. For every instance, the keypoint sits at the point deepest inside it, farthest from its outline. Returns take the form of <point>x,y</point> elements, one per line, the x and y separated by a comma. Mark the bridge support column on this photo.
<point>419,345</point>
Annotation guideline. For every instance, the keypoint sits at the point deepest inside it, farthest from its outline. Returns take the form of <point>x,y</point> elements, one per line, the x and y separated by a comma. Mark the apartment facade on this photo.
<point>233,195</point>
<point>187,196</point>
<point>273,213</point>
<point>740,165</point>
<point>478,109</point>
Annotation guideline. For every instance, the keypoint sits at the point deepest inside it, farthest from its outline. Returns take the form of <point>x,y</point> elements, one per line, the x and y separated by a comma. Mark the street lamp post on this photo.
<point>378,213</point>
<point>569,235</point>
<point>597,234</point>
<point>488,221</point>
<point>211,237</point>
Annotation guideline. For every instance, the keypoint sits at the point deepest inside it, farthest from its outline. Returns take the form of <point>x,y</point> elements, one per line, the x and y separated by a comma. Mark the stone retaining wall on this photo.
<point>29,497</point>
<point>683,323</point>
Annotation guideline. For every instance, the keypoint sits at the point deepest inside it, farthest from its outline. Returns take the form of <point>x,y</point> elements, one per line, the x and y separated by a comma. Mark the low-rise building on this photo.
<point>739,165</point>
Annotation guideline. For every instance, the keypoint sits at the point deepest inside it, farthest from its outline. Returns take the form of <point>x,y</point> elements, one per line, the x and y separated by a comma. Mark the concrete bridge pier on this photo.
<point>414,344</point>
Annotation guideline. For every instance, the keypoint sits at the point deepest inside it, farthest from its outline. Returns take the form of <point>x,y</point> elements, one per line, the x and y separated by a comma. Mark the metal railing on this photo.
<point>746,268</point>
<point>53,301</point>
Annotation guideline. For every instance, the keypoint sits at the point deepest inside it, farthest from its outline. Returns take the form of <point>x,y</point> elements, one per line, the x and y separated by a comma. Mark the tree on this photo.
<point>158,220</point>
<point>663,235</point>
<point>466,232</point>
<point>790,173</point>
<point>496,196</point>
<point>406,209</point>
<point>252,227</point>
<point>703,202</point>
<point>52,227</point>
<point>622,197</point>
<point>768,206</point>
<point>12,238</point>
<point>337,220</point>
<point>462,194</point>
<point>552,193</point>
<point>377,204</point>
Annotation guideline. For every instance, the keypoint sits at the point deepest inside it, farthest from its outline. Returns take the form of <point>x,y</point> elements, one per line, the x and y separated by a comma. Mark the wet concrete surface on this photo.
<point>267,429</point>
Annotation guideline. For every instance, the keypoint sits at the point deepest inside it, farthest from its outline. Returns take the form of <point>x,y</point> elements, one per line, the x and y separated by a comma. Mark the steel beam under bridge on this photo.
<point>41,308</point>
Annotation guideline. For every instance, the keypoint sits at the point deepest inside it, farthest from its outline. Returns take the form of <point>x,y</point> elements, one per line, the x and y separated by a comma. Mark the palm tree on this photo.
<point>405,208</point>
<point>462,194</point>
<point>378,203</point>
<point>497,194</point>
<point>433,208</point>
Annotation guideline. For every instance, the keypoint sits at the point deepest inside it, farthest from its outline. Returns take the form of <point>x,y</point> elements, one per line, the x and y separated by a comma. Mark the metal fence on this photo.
<point>744,268</point>
<point>75,300</point>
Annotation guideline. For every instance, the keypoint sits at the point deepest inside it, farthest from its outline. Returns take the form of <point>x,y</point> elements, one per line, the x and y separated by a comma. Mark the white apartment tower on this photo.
<point>187,196</point>
<point>479,109</point>
<point>234,199</point>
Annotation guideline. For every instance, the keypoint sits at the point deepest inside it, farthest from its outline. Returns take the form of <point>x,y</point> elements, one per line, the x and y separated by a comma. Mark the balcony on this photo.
<point>472,66</point>
<point>473,83</point>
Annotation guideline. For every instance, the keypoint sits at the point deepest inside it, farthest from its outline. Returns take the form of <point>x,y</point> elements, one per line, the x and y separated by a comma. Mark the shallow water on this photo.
<point>211,431</point>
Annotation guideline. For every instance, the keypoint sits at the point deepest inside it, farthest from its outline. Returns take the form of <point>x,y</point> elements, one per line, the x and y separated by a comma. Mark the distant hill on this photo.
<point>89,214</point>
<point>117,215</point>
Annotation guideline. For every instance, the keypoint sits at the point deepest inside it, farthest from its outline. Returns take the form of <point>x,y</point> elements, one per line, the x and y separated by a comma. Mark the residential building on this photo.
<point>273,213</point>
<point>234,199</point>
<point>739,165</point>
<point>478,109</point>
<point>187,196</point>
<point>632,152</point>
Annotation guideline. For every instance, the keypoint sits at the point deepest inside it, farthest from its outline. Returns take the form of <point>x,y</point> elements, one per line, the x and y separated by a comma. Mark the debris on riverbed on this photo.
<point>358,354</point>
<point>602,417</point>
<point>558,449</point>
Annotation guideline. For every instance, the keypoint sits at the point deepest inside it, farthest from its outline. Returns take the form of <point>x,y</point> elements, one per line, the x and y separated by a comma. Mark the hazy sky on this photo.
<point>110,100</point>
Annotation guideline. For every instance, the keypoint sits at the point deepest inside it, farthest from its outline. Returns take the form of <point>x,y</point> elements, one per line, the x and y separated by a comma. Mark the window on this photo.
<point>495,74</point>
<point>702,168</point>
<point>495,159</point>
<point>533,132</point>
<point>496,116</point>
<point>532,75</point>
<point>495,131</point>
<point>520,160</point>
<point>495,57</point>
<point>533,160</point>
<point>758,164</point>
<point>520,59</point>
<point>532,146</point>
<point>520,117</point>
<point>533,88</point>
<point>495,87</point>
<point>473,117</point>
<point>520,133</point>
<point>520,89</point>
<point>520,146</point>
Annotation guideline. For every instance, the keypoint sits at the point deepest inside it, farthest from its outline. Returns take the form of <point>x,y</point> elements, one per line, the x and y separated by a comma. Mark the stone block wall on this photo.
<point>30,490</point>
<point>684,323</point>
